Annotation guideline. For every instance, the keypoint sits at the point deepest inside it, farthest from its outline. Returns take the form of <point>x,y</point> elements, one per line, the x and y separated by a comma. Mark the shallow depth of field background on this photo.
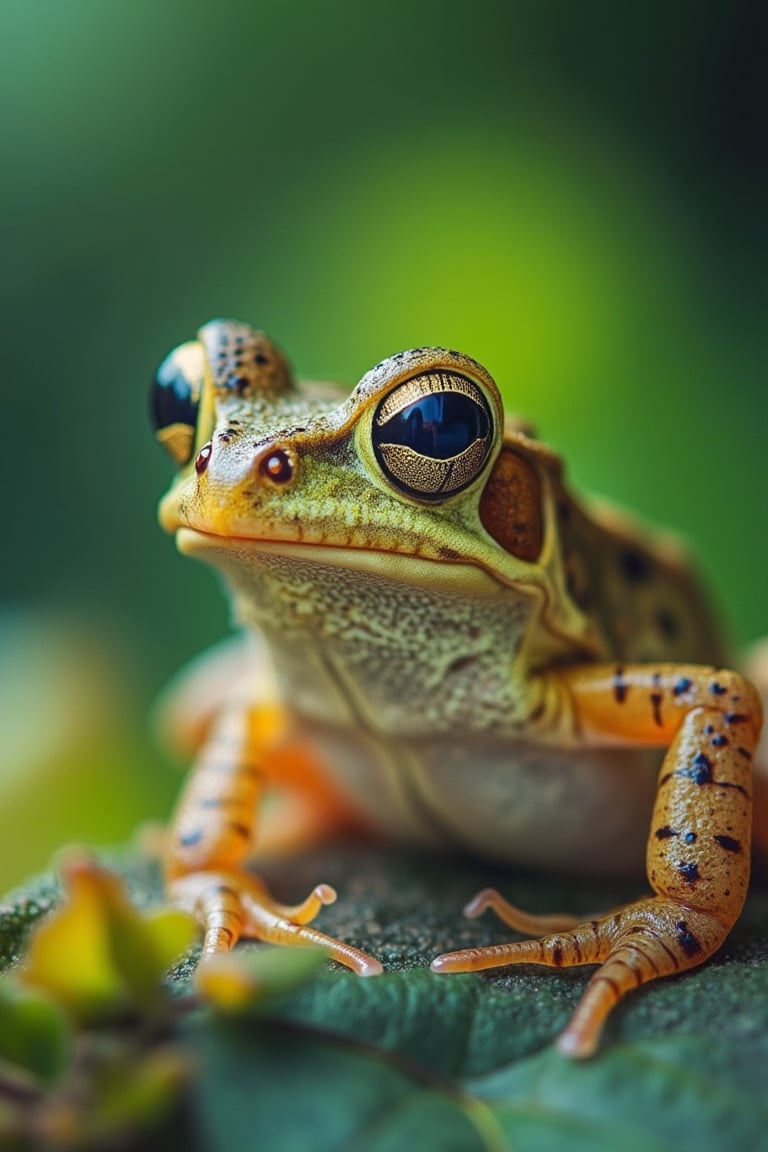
<point>575,195</point>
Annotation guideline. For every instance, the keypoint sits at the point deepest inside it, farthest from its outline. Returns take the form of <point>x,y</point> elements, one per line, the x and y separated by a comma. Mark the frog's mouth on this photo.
<point>239,551</point>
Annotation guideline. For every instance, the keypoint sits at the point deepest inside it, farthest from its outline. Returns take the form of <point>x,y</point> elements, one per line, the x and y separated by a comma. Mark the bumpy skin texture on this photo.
<point>454,652</point>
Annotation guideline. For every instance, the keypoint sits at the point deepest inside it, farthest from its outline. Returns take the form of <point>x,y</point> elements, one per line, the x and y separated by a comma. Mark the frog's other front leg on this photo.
<point>698,855</point>
<point>212,835</point>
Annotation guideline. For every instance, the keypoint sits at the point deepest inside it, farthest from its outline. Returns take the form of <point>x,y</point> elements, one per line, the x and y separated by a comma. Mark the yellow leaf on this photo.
<point>97,952</point>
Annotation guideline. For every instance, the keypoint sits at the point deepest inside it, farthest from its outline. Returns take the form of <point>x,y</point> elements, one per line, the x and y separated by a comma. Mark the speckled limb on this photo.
<point>212,835</point>
<point>698,853</point>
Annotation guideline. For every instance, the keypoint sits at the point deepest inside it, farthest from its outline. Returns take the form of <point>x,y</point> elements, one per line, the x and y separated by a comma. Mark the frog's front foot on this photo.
<point>234,904</point>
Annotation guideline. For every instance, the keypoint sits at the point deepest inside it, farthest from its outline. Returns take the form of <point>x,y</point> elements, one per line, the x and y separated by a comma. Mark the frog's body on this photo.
<point>463,646</point>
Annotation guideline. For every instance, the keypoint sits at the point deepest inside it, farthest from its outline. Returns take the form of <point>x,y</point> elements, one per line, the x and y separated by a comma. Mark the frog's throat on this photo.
<point>223,551</point>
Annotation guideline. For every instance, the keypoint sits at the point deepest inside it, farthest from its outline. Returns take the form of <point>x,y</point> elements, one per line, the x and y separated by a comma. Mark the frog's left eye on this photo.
<point>174,400</point>
<point>432,435</point>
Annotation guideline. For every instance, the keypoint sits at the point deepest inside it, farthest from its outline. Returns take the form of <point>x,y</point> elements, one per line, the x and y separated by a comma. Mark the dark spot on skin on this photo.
<point>620,686</point>
<point>239,829</point>
<point>260,358</point>
<point>240,384</point>
<point>719,741</point>
<point>709,729</point>
<point>656,699</point>
<point>736,718</point>
<point>227,436</point>
<point>557,955</point>
<point>687,941</point>
<point>682,686</point>
<point>665,832</point>
<point>689,872</point>
<point>667,624</point>
<point>190,839</point>
<point>634,566</point>
<point>452,352</point>
<point>690,837</point>
<point>744,752</point>
<point>728,843</point>
<point>736,787</point>
<point>537,713</point>
<point>701,769</point>
<point>449,553</point>
<point>717,689</point>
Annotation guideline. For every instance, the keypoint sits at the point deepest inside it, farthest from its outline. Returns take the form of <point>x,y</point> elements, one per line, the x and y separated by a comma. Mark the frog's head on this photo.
<point>412,475</point>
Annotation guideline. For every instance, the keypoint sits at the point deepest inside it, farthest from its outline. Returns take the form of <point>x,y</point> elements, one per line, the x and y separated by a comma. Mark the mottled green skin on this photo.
<point>404,638</point>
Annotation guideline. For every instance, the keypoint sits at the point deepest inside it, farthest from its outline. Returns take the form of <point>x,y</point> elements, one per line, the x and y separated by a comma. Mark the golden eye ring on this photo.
<point>432,435</point>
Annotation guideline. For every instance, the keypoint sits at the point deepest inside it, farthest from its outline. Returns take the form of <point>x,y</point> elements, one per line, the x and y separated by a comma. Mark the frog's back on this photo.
<point>633,587</point>
<point>638,584</point>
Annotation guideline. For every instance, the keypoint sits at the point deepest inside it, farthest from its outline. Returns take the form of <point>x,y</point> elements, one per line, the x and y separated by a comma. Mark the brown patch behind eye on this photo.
<point>510,506</point>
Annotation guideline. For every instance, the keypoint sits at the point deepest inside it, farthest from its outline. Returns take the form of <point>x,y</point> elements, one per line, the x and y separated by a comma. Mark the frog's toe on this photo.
<point>234,905</point>
<point>521,921</point>
<point>281,924</point>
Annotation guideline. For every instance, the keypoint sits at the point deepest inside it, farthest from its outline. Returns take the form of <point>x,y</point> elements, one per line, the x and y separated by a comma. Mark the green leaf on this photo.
<point>681,1058</point>
<point>96,953</point>
<point>256,981</point>
<point>293,1091</point>
<point>670,1094</point>
<point>34,1032</point>
<point>132,1095</point>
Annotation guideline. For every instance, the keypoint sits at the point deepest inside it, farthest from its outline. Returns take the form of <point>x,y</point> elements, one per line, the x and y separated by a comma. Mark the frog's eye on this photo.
<point>432,435</point>
<point>174,399</point>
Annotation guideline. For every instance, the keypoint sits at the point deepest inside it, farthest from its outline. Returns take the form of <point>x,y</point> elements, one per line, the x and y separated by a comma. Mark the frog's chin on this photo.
<point>225,551</point>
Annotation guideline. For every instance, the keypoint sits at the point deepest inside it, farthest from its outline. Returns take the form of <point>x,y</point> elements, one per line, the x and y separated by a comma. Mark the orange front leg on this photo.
<point>212,836</point>
<point>699,843</point>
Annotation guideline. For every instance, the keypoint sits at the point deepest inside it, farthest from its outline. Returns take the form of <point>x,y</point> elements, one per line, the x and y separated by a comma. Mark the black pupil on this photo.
<point>440,425</point>
<point>170,397</point>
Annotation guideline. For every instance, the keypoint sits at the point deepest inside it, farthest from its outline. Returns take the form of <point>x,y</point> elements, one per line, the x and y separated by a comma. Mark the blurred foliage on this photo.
<point>85,1058</point>
<point>573,195</point>
<point>75,763</point>
<point>264,1046</point>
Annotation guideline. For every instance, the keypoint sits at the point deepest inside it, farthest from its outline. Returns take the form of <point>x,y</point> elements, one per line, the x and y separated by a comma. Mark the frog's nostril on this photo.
<point>278,466</point>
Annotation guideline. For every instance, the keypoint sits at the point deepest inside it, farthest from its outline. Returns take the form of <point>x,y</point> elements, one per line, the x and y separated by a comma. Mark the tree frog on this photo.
<point>449,648</point>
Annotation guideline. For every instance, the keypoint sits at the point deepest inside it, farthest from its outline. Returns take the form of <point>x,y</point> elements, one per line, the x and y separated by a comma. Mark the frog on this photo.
<point>444,646</point>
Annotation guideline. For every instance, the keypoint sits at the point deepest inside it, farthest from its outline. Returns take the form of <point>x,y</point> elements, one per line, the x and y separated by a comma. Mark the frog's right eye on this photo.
<point>174,400</point>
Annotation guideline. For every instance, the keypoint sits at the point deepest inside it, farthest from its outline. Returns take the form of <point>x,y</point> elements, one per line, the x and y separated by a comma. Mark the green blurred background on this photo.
<point>573,194</point>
